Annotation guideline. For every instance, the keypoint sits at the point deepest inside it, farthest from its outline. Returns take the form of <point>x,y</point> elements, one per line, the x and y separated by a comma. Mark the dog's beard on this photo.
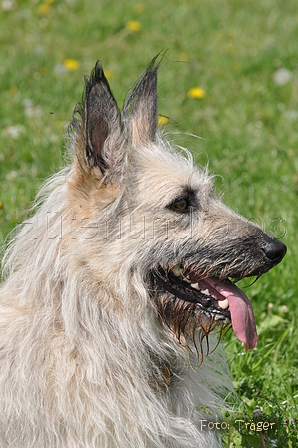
<point>186,322</point>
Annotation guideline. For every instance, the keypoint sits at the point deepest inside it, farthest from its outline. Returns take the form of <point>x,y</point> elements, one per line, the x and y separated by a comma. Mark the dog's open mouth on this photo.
<point>220,298</point>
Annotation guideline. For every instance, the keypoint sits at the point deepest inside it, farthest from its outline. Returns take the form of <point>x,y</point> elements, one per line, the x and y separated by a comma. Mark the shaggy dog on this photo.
<point>114,284</point>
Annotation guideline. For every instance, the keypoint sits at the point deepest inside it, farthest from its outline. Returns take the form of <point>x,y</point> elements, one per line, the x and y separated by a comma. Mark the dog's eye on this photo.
<point>181,205</point>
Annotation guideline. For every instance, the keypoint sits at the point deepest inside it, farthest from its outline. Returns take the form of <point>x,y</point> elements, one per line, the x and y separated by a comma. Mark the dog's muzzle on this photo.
<point>220,300</point>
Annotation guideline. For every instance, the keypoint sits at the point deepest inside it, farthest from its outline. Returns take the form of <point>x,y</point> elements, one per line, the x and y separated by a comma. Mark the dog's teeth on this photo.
<point>224,304</point>
<point>177,270</point>
<point>195,286</point>
<point>186,279</point>
<point>206,292</point>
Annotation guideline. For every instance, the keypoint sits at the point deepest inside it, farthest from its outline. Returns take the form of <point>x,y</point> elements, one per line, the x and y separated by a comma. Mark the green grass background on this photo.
<point>248,125</point>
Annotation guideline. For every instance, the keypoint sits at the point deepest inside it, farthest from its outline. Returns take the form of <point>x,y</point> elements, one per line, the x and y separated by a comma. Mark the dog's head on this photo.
<point>158,220</point>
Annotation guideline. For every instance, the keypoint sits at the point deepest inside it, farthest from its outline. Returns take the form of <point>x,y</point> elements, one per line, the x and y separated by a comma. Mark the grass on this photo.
<point>230,49</point>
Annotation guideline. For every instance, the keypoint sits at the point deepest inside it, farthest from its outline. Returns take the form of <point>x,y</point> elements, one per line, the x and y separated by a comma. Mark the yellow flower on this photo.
<point>138,8</point>
<point>13,90</point>
<point>44,9</point>
<point>134,26</point>
<point>162,120</point>
<point>71,64</point>
<point>1,204</point>
<point>183,56</point>
<point>196,92</point>
<point>109,74</point>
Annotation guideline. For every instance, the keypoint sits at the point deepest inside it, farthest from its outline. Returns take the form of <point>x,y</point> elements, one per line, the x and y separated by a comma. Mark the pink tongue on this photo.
<point>242,315</point>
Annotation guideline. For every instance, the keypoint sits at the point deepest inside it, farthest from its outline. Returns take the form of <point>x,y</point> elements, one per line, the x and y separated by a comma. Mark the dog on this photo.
<point>118,287</point>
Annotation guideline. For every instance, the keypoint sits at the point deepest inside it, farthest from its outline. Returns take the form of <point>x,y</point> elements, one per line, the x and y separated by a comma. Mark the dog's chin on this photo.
<point>192,301</point>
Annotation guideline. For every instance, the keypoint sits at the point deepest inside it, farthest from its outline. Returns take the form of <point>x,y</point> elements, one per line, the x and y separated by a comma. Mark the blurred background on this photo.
<point>230,76</point>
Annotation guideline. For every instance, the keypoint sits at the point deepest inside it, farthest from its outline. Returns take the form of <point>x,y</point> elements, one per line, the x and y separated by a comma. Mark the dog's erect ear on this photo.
<point>140,109</point>
<point>101,121</point>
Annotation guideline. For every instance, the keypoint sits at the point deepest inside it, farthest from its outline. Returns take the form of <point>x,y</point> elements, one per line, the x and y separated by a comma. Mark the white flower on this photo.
<point>8,5</point>
<point>282,76</point>
<point>30,110</point>
<point>14,131</point>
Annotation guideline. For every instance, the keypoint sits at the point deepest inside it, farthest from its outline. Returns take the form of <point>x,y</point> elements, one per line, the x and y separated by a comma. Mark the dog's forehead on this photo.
<point>166,174</point>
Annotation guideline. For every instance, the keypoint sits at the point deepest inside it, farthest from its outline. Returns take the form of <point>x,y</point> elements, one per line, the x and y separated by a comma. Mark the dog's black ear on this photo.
<point>101,121</point>
<point>140,108</point>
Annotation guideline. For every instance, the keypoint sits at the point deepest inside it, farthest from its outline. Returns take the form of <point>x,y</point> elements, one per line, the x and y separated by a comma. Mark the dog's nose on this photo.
<point>274,249</point>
